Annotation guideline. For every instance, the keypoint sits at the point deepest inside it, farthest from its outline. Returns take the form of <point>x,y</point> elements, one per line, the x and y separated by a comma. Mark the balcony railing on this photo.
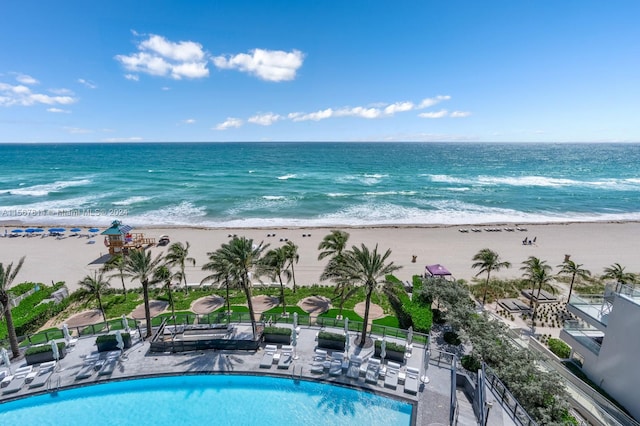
<point>590,338</point>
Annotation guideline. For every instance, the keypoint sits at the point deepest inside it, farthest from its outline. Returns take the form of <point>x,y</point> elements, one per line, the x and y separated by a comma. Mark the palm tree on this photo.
<point>368,268</point>
<point>488,260</point>
<point>163,275</point>
<point>222,273</point>
<point>96,286</point>
<point>333,244</point>
<point>538,272</point>
<point>117,263</point>
<point>139,266</point>
<point>242,257</point>
<point>273,264</point>
<point>7,275</point>
<point>292,256</point>
<point>616,272</point>
<point>178,255</point>
<point>569,267</point>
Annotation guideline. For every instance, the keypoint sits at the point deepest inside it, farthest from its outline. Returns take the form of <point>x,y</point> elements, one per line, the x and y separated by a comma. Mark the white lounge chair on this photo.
<point>373,371</point>
<point>319,361</point>
<point>411,381</point>
<point>285,357</point>
<point>267,358</point>
<point>353,372</point>
<point>391,376</point>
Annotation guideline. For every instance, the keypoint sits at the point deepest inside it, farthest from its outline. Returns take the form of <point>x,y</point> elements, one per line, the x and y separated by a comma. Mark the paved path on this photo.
<point>375,311</point>
<point>85,318</point>
<point>315,305</point>
<point>155,306</point>
<point>263,303</point>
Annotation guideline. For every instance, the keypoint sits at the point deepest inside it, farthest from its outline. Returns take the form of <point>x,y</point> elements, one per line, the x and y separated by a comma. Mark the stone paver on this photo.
<point>315,305</point>
<point>264,303</point>
<point>206,305</point>
<point>375,311</point>
<point>93,316</point>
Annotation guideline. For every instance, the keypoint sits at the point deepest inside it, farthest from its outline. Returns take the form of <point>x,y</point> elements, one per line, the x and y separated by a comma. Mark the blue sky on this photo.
<point>557,71</point>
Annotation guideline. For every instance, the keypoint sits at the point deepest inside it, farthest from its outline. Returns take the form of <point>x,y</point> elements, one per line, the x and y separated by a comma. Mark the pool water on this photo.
<point>214,399</point>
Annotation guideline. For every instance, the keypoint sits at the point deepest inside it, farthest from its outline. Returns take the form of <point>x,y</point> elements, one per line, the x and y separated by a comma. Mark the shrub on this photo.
<point>470,363</point>
<point>558,347</point>
<point>38,349</point>
<point>325,335</point>
<point>111,338</point>
<point>390,346</point>
<point>277,330</point>
<point>451,338</point>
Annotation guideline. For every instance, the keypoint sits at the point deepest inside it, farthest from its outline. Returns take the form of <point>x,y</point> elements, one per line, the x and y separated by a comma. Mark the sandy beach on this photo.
<point>595,245</point>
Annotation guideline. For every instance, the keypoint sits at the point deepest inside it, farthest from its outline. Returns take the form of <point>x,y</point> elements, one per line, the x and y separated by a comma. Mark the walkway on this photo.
<point>314,306</point>
<point>155,306</point>
<point>206,305</point>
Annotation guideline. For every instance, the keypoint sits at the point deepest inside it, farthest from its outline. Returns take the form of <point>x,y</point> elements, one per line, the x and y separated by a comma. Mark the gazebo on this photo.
<point>119,239</point>
<point>437,270</point>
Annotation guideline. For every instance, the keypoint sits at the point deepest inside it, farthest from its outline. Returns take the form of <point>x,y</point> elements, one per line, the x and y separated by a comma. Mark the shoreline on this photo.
<point>596,245</point>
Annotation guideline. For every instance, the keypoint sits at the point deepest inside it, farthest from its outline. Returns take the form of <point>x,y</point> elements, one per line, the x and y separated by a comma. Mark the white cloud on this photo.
<point>435,114</point>
<point>429,102</point>
<point>270,65</point>
<point>26,79</point>
<point>264,119</point>
<point>165,88</point>
<point>459,114</point>
<point>189,121</point>
<point>361,112</point>
<point>399,107</point>
<point>77,130</point>
<point>87,83</point>
<point>58,110</point>
<point>229,123</point>
<point>315,116</point>
<point>61,92</point>
<point>161,57</point>
<point>129,139</point>
<point>132,77</point>
<point>23,96</point>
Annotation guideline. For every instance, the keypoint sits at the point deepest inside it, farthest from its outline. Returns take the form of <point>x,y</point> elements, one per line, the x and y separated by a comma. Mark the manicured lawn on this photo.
<point>275,314</point>
<point>43,337</point>
<point>182,317</point>
<point>388,321</point>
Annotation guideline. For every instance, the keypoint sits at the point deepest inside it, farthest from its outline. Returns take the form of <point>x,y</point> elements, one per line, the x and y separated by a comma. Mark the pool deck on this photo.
<point>431,404</point>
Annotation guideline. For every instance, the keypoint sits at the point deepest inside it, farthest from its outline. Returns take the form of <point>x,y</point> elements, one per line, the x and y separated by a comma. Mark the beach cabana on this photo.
<point>119,239</point>
<point>437,270</point>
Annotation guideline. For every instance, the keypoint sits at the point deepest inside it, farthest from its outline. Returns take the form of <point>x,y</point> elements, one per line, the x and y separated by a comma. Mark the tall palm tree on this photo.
<point>243,257</point>
<point>291,253</point>
<point>569,267</point>
<point>96,286</point>
<point>538,272</point>
<point>7,275</point>
<point>140,266</point>
<point>178,255</point>
<point>488,260</point>
<point>369,269</point>
<point>117,263</point>
<point>273,265</point>
<point>163,275</point>
<point>617,272</point>
<point>222,273</point>
<point>333,244</point>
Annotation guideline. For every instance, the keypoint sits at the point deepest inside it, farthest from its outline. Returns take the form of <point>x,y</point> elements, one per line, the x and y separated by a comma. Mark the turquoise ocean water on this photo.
<point>318,184</point>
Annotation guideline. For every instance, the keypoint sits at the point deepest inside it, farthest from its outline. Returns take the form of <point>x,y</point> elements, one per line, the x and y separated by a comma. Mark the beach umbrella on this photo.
<point>75,229</point>
<point>346,325</point>
<point>295,322</point>
<point>347,342</point>
<point>125,323</point>
<point>17,231</point>
<point>5,359</point>
<point>425,364</point>
<point>383,350</point>
<point>30,230</point>
<point>54,349</point>
<point>294,343</point>
<point>38,230</point>
<point>410,336</point>
<point>119,339</point>
<point>94,230</point>
<point>65,331</point>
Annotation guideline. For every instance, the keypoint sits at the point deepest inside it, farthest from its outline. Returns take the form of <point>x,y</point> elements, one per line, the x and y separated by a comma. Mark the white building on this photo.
<point>607,341</point>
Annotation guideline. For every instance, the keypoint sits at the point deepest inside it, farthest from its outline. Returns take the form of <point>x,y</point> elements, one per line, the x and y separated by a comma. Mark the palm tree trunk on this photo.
<point>173,312</point>
<point>247,293</point>
<point>573,277</point>
<point>535,310</point>
<point>228,301</point>
<point>486,286</point>
<point>293,276</point>
<point>363,339</point>
<point>104,316</point>
<point>13,338</point>
<point>147,310</point>
<point>124,289</point>
<point>284,305</point>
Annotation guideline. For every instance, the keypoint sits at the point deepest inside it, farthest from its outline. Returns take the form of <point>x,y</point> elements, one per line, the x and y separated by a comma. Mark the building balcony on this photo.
<point>590,309</point>
<point>582,337</point>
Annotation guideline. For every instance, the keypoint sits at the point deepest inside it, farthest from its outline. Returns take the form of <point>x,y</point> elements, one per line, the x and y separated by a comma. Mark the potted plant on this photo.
<point>108,342</point>
<point>280,335</point>
<point>393,351</point>
<point>328,340</point>
<point>43,353</point>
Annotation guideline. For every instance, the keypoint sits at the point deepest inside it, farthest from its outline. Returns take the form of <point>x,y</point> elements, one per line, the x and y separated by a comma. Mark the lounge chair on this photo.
<point>319,361</point>
<point>391,376</point>
<point>43,375</point>
<point>335,367</point>
<point>353,372</point>
<point>373,371</point>
<point>108,367</point>
<point>411,381</point>
<point>286,357</point>
<point>14,385</point>
<point>267,358</point>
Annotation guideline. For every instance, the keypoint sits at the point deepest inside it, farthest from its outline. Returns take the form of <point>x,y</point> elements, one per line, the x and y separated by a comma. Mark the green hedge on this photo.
<point>325,335</point>
<point>390,346</point>
<point>277,330</point>
<point>420,314</point>
<point>38,349</point>
<point>111,338</point>
<point>558,347</point>
<point>470,363</point>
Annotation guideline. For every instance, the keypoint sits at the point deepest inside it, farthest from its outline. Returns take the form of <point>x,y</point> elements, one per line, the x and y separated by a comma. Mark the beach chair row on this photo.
<point>103,365</point>
<point>27,375</point>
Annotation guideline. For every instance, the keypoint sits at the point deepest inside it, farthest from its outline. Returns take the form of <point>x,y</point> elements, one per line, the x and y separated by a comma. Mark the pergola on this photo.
<point>437,270</point>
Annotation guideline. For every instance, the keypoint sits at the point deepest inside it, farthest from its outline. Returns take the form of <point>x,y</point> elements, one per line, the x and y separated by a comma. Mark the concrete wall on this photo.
<point>617,368</point>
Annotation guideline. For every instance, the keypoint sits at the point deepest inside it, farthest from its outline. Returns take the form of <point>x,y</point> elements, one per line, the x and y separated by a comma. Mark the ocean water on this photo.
<point>318,184</point>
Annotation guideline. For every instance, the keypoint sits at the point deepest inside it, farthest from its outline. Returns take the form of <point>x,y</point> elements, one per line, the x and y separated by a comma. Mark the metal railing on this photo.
<point>509,402</point>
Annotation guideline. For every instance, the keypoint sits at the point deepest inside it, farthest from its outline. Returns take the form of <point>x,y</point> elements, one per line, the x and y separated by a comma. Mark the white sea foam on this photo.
<point>366,179</point>
<point>286,177</point>
<point>186,213</point>
<point>337,194</point>
<point>537,181</point>
<point>45,189</point>
<point>131,200</point>
<point>274,197</point>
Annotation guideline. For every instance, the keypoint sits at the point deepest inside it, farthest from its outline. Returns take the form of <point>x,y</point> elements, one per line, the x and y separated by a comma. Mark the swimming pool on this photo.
<point>212,399</point>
